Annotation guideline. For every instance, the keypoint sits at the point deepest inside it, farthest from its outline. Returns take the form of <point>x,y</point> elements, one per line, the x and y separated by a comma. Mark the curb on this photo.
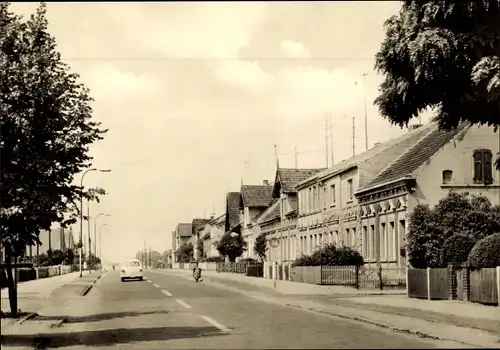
<point>90,286</point>
<point>26,318</point>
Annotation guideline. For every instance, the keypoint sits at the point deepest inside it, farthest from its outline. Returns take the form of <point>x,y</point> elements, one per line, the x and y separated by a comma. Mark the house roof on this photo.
<point>287,179</point>
<point>272,212</point>
<point>218,220</point>
<point>199,223</point>
<point>415,156</point>
<point>232,209</point>
<point>256,195</point>
<point>184,229</point>
<point>371,162</point>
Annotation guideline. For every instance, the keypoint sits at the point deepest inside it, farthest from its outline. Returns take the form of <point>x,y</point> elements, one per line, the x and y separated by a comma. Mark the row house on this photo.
<point>279,220</point>
<point>182,234</point>
<point>440,161</point>
<point>212,232</point>
<point>197,225</point>
<point>328,210</point>
<point>254,200</point>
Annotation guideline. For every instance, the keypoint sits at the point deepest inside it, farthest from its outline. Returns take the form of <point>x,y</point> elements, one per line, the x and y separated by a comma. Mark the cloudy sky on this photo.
<point>193,91</point>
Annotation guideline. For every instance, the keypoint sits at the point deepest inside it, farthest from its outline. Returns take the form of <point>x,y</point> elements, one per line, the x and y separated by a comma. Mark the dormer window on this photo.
<point>447,176</point>
<point>483,168</point>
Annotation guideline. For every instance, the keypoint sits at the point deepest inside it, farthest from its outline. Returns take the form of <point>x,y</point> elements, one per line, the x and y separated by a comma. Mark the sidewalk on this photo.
<point>466,323</point>
<point>32,295</point>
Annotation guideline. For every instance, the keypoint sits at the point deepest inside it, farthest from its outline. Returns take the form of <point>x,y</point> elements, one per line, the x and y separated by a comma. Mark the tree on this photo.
<point>231,246</point>
<point>56,257</point>
<point>486,253</point>
<point>455,214</point>
<point>185,252</point>
<point>46,130</point>
<point>260,247</point>
<point>200,251</point>
<point>69,256</point>
<point>443,55</point>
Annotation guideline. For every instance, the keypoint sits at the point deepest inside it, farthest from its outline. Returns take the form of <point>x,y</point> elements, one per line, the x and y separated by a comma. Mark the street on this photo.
<point>165,312</point>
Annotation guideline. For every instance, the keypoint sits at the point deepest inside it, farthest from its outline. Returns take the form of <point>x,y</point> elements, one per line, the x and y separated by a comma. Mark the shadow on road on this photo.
<point>99,317</point>
<point>107,337</point>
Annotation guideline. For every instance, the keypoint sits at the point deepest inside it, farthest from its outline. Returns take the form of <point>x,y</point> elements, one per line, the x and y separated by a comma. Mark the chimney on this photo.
<point>414,126</point>
<point>265,182</point>
<point>212,217</point>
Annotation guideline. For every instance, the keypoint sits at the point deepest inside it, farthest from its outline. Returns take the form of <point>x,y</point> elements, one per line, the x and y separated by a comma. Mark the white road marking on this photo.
<point>187,306</point>
<point>157,286</point>
<point>166,293</point>
<point>215,323</point>
<point>149,281</point>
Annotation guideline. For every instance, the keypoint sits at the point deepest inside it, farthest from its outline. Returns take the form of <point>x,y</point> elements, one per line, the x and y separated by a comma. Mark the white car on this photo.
<point>131,270</point>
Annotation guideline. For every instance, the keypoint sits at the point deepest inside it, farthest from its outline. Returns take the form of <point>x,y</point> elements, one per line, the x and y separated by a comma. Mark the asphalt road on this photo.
<point>170,312</point>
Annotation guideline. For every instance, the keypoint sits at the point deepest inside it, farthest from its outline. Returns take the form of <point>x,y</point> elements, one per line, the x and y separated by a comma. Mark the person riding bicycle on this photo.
<point>196,273</point>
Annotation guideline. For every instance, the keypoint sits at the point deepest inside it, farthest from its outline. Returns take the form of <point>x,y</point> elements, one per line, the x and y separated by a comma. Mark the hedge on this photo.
<point>485,253</point>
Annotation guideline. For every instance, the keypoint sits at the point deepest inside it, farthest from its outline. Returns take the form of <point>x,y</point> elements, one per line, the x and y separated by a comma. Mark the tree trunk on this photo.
<point>11,284</point>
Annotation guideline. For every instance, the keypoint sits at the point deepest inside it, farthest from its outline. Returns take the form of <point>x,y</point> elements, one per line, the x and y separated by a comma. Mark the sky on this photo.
<point>197,95</point>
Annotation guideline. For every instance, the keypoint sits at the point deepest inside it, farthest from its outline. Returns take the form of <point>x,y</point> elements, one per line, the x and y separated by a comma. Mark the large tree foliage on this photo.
<point>185,252</point>
<point>231,246</point>
<point>458,214</point>
<point>443,55</point>
<point>46,129</point>
<point>260,247</point>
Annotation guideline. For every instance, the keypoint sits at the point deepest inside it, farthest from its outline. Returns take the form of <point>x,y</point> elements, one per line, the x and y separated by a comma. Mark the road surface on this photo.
<point>171,312</point>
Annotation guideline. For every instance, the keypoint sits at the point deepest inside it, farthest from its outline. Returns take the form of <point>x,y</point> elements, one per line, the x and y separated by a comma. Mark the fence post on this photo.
<point>357,277</point>
<point>429,283</point>
<point>498,285</point>
<point>407,281</point>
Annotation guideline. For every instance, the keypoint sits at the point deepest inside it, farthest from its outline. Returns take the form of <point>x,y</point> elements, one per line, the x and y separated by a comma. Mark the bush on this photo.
<point>457,213</point>
<point>329,255</point>
<point>456,249</point>
<point>213,259</point>
<point>485,253</point>
<point>26,275</point>
<point>248,261</point>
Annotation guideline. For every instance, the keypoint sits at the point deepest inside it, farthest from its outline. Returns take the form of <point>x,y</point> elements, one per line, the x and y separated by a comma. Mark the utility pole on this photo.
<point>295,157</point>
<point>90,239</point>
<point>326,139</point>
<point>331,139</point>
<point>366,115</point>
<point>353,137</point>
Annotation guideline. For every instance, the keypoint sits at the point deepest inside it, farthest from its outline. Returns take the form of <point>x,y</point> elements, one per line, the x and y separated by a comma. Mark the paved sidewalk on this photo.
<point>468,323</point>
<point>33,295</point>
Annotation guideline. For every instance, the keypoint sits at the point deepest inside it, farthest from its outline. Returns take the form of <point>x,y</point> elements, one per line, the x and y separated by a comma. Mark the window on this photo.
<point>447,176</point>
<point>392,241</point>
<point>365,242</point>
<point>353,237</point>
<point>325,195</point>
<point>383,241</point>
<point>482,166</point>
<point>334,194</point>
<point>309,200</point>
<point>315,198</point>
<point>350,189</point>
<point>372,241</point>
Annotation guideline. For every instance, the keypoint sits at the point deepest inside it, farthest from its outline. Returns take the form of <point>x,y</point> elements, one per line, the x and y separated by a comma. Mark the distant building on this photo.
<point>182,234</point>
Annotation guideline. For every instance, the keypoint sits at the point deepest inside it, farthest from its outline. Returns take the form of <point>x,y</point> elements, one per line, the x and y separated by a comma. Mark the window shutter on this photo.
<point>487,166</point>
<point>478,166</point>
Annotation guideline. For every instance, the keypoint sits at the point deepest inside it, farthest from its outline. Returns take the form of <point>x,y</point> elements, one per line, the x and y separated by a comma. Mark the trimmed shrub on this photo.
<point>329,255</point>
<point>213,259</point>
<point>485,253</point>
<point>248,261</point>
<point>26,275</point>
<point>456,249</point>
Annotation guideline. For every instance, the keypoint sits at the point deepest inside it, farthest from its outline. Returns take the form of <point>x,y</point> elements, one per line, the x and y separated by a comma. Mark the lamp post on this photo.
<point>81,213</point>
<point>95,233</point>
<point>100,241</point>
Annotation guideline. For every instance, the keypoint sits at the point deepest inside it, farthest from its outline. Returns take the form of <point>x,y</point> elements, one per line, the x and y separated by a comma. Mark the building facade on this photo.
<point>329,209</point>
<point>459,160</point>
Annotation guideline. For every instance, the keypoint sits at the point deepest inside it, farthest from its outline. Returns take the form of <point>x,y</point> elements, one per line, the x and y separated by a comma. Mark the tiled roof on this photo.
<point>185,230</point>
<point>256,196</point>
<point>289,178</point>
<point>199,224</point>
<point>414,157</point>
<point>371,162</point>
<point>272,212</point>
<point>218,220</point>
<point>232,209</point>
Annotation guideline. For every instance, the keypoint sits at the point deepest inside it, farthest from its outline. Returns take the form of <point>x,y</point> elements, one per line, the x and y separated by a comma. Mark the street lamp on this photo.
<point>81,212</point>
<point>95,232</point>
<point>100,241</point>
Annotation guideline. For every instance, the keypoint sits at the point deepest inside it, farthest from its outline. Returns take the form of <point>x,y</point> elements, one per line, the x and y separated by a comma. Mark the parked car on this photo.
<point>131,269</point>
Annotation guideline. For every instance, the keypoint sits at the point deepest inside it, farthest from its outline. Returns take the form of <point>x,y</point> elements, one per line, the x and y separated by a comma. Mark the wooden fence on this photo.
<point>359,277</point>
<point>455,283</point>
